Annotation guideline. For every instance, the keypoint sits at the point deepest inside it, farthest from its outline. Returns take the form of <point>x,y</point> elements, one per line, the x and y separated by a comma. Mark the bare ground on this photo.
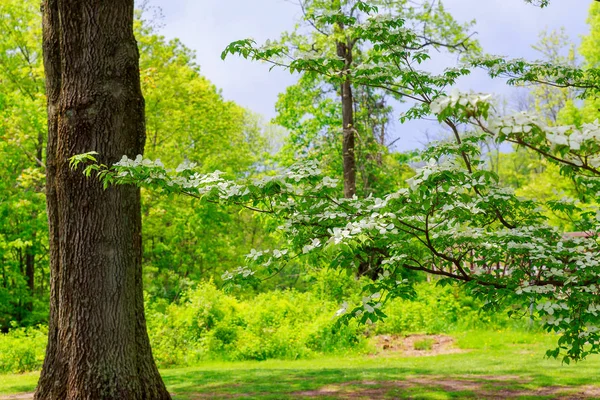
<point>390,344</point>
<point>475,387</point>
<point>482,387</point>
<point>20,396</point>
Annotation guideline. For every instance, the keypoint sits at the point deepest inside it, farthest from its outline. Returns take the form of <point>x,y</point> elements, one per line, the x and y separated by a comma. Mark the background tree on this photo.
<point>555,47</point>
<point>332,51</point>
<point>526,170</point>
<point>23,230</point>
<point>573,112</point>
<point>187,119</point>
<point>372,49</point>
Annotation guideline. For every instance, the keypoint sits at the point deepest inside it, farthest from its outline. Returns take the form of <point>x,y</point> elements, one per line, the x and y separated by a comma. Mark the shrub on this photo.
<point>22,349</point>
<point>441,310</point>
<point>179,331</point>
<point>208,324</point>
<point>335,285</point>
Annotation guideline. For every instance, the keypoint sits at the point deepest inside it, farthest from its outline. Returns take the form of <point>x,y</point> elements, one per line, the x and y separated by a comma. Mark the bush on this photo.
<point>335,285</point>
<point>179,331</point>
<point>292,325</point>
<point>439,309</point>
<point>22,349</point>
<point>208,324</point>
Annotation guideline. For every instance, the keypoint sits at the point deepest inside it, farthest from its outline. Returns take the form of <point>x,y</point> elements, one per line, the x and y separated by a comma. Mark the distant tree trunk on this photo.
<point>30,274</point>
<point>344,50</point>
<point>4,280</point>
<point>98,347</point>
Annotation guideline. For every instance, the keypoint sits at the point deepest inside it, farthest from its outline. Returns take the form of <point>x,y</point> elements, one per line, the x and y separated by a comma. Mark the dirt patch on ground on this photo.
<point>20,396</point>
<point>495,388</point>
<point>416,345</point>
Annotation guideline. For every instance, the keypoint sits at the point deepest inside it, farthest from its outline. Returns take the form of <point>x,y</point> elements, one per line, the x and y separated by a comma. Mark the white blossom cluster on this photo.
<point>470,100</point>
<point>564,135</point>
<point>518,125</point>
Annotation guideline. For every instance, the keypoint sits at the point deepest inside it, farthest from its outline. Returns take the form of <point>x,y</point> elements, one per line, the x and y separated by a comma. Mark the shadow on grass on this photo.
<point>495,368</point>
<point>371,383</point>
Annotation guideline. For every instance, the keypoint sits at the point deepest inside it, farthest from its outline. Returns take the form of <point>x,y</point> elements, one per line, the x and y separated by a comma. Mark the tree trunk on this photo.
<point>348,141</point>
<point>30,274</point>
<point>98,347</point>
<point>344,50</point>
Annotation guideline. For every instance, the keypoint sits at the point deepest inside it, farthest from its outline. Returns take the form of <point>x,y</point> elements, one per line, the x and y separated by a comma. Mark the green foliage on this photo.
<point>187,119</point>
<point>555,47</point>
<point>534,177</point>
<point>22,349</point>
<point>423,344</point>
<point>208,324</point>
<point>23,231</point>
<point>441,309</point>
<point>334,286</point>
<point>454,220</point>
<point>574,112</point>
<point>385,40</point>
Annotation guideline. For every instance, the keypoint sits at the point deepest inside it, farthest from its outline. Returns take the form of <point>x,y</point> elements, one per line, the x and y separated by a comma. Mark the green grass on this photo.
<point>423,344</point>
<point>504,364</point>
<point>18,383</point>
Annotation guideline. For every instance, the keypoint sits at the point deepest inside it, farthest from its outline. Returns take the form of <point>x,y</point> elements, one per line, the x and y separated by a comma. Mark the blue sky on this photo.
<point>504,27</point>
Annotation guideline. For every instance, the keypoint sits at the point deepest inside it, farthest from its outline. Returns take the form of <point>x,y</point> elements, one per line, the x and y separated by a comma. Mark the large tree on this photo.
<point>98,346</point>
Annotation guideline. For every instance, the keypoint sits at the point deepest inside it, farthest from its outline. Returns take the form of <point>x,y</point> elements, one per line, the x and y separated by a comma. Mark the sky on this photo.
<point>504,27</point>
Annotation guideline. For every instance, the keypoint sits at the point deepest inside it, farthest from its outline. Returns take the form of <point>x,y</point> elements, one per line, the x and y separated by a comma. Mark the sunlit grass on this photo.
<point>491,362</point>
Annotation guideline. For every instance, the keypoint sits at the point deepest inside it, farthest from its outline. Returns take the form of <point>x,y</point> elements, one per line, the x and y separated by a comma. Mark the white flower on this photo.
<point>343,309</point>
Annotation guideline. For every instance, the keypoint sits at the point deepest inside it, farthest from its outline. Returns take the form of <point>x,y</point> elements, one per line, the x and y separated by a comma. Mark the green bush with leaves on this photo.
<point>443,309</point>
<point>23,349</point>
<point>209,324</point>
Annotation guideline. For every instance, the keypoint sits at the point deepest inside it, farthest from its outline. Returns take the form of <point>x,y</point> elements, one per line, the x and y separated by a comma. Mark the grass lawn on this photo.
<point>497,365</point>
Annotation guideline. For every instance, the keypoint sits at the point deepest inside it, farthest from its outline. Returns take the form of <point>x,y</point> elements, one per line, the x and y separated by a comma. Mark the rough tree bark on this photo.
<point>344,50</point>
<point>98,346</point>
